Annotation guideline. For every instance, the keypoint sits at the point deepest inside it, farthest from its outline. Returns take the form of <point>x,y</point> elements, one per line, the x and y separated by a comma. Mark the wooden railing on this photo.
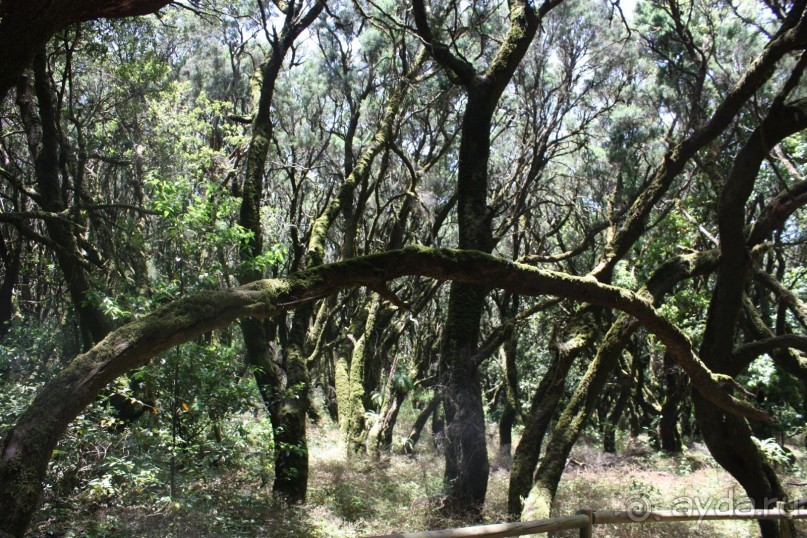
<point>585,520</point>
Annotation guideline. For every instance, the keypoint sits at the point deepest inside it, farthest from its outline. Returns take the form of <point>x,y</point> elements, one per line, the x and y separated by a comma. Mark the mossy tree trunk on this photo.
<point>580,332</point>
<point>283,386</point>
<point>350,390</point>
<point>644,407</point>
<point>582,404</point>
<point>729,438</point>
<point>392,395</point>
<point>792,35</point>
<point>380,434</point>
<point>467,466</point>
<point>35,100</point>
<point>538,502</point>
<point>511,403</point>
<point>350,378</point>
<point>11,256</point>
<point>538,498</point>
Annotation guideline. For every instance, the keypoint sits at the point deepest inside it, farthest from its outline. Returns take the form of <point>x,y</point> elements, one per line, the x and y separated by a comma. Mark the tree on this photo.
<point>467,465</point>
<point>548,476</point>
<point>285,395</point>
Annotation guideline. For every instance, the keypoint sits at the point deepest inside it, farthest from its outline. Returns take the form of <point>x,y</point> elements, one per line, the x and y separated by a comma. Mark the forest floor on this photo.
<point>359,497</point>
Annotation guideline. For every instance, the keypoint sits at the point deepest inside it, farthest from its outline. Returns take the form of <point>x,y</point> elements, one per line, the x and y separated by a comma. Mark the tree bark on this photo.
<point>12,264</point>
<point>543,406</point>
<point>511,402</point>
<point>350,391</point>
<point>284,386</point>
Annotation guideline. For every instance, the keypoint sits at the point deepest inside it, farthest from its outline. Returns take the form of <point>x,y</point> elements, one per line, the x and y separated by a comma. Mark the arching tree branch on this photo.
<point>27,448</point>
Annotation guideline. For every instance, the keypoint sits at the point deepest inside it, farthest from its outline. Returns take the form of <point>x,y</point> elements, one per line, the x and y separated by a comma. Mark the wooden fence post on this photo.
<point>784,524</point>
<point>587,530</point>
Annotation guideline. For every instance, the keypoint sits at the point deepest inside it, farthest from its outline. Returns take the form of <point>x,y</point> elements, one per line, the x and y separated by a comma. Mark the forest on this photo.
<point>465,249</point>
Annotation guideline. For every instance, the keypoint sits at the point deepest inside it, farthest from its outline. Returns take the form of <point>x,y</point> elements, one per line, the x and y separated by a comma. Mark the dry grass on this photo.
<point>355,497</point>
<point>613,482</point>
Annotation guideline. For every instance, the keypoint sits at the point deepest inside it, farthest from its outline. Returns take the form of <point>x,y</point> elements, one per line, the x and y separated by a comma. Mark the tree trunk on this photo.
<point>730,443</point>
<point>380,435</point>
<point>511,402</point>
<point>12,263</point>
<point>675,388</point>
<point>540,498</point>
<point>539,495</point>
<point>537,502</point>
<point>42,134</point>
<point>284,386</point>
<point>420,422</point>
<point>543,407</point>
<point>350,392</point>
<point>730,438</point>
<point>291,443</point>
<point>439,426</point>
<point>612,420</point>
<point>379,438</point>
<point>467,467</point>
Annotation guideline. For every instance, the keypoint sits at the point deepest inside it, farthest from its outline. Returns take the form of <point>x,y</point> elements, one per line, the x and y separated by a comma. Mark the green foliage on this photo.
<point>402,382</point>
<point>646,492</point>
<point>778,392</point>
<point>199,212</point>
<point>268,260</point>
<point>776,454</point>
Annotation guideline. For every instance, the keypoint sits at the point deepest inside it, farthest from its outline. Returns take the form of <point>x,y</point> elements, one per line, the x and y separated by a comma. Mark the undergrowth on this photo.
<point>359,497</point>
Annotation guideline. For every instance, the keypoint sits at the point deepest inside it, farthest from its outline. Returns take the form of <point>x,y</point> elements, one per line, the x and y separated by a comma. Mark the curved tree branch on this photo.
<point>793,302</point>
<point>748,352</point>
<point>459,66</point>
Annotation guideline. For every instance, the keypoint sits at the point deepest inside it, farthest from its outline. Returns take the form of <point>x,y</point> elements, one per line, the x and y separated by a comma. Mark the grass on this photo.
<point>358,496</point>
<point>645,478</point>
